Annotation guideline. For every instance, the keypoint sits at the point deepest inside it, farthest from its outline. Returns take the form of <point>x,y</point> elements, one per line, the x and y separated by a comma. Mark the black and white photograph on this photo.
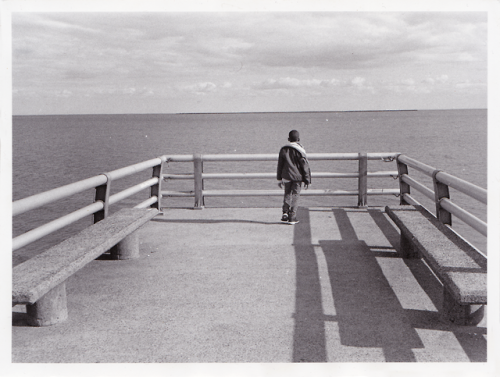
<point>223,188</point>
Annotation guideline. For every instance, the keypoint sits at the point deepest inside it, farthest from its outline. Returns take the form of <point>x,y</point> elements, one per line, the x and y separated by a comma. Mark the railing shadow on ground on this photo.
<point>367,310</point>
<point>470,337</point>
<point>207,221</point>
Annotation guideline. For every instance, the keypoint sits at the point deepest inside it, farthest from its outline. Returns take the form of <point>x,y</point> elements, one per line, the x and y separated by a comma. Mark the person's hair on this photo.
<point>294,135</point>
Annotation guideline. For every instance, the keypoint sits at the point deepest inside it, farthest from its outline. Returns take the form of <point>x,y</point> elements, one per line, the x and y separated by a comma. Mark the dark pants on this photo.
<point>291,198</point>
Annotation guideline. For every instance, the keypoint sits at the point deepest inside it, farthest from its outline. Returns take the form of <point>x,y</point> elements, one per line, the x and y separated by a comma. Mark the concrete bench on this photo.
<point>40,282</point>
<point>459,266</point>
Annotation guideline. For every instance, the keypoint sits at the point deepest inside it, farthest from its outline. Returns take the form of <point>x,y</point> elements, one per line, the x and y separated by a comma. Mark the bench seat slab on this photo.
<point>38,275</point>
<point>467,287</point>
<point>461,268</point>
<point>444,249</point>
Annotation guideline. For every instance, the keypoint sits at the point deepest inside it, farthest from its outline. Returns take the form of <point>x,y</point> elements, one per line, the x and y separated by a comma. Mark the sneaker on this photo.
<point>292,220</point>
<point>284,217</point>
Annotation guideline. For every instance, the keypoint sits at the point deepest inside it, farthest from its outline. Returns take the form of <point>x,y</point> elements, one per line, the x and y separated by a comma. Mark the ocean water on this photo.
<point>51,151</point>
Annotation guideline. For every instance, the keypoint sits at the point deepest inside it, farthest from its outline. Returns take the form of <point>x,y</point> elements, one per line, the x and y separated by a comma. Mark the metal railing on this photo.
<point>440,195</point>
<point>101,183</point>
<point>103,199</point>
<point>199,193</point>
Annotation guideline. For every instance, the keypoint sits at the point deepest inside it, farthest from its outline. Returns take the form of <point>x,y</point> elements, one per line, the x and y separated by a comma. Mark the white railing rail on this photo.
<point>99,209</point>
<point>445,208</point>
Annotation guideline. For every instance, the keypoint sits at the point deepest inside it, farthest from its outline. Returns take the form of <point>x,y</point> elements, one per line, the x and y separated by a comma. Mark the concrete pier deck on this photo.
<point>237,285</point>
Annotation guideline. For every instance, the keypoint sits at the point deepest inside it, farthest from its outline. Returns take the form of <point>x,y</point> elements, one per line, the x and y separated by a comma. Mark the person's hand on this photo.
<point>306,186</point>
<point>280,184</point>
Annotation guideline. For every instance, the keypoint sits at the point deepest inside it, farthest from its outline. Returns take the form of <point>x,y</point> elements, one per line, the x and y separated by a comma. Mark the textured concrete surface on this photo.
<point>35,277</point>
<point>453,260</point>
<point>237,285</point>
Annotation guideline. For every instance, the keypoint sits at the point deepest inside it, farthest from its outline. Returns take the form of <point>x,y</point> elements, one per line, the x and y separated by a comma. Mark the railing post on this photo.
<point>156,189</point>
<point>363,180</point>
<point>199,201</point>
<point>102,194</point>
<point>404,188</point>
<point>441,191</point>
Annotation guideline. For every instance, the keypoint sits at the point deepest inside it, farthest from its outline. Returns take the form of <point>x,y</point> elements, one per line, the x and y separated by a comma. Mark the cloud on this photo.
<point>410,85</point>
<point>65,93</point>
<point>294,83</point>
<point>408,82</point>
<point>313,86</point>
<point>200,88</point>
<point>467,84</point>
<point>358,81</point>
<point>442,79</point>
<point>51,22</point>
<point>129,90</point>
<point>200,53</point>
<point>335,41</point>
<point>80,74</point>
<point>357,40</point>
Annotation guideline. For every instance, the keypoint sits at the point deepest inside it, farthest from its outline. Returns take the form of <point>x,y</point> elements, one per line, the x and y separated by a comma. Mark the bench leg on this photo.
<point>467,315</point>
<point>128,248</point>
<point>408,251</point>
<point>49,309</point>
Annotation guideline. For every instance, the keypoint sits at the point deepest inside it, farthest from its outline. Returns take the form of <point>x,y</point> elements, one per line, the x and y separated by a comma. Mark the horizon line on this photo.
<point>255,112</point>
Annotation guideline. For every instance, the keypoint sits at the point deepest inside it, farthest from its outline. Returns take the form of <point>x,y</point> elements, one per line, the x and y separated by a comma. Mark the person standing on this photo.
<point>293,169</point>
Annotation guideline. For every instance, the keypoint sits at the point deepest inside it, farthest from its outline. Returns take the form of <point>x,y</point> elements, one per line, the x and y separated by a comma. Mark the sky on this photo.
<point>189,62</point>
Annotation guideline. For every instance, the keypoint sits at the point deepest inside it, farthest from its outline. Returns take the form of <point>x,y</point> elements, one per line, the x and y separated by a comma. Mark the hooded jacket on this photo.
<point>293,164</point>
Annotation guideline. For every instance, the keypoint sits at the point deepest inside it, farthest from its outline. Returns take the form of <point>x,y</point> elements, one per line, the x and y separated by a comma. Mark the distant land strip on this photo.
<point>301,112</point>
<point>244,112</point>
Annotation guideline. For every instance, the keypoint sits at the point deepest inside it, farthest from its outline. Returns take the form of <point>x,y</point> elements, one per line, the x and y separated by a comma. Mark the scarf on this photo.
<point>298,147</point>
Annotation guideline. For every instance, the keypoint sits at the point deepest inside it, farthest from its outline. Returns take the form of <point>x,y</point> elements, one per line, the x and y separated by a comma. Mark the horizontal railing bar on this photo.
<point>254,193</point>
<point>178,158</point>
<point>418,186</point>
<point>179,194</point>
<point>132,169</point>
<point>465,187</point>
<point>239,157</point>
<point>153,199</point>
<point>411,200</point>
<point>42,231</point>
<point>447,204</point>
<point>383,191</point>
<point>178,176</point>
<point>382,156</point>
<point>465,216</point>
<point>132,190</point>
<point>273,175</point>
<point>426,169</point>
<point>376,174</point>
<point>310,192</point>
<point>237,175</point>
<point>57,224</point>
<point>38,200</point>
<point>341,156</point>
<point>274,157</point>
